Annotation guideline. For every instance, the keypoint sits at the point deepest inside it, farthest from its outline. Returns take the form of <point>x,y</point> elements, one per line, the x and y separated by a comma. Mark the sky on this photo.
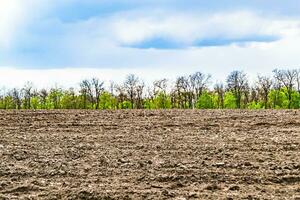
<point>60,42</point>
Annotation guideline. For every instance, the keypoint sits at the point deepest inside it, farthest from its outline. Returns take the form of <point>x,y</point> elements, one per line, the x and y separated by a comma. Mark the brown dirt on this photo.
<point>176,154</point>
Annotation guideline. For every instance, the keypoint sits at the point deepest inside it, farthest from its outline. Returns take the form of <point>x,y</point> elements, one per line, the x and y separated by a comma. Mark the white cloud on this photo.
<point>257,58</point>
<point>11,16</point>
<point>95,43</point>
<point>15,15</point>
<point>134,28</point>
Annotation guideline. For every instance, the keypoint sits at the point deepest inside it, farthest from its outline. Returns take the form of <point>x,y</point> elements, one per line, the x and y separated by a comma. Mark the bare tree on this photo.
<point>160,87</point>
<point>91,90</point>
<point>55,95</point>
<point>139,92</point>
<point>183,92</point>
<point>199,83</point>
<point>28,93</point>
<point>97,90</point>
<point>219,88</point>
<point>17,98</point>
<point>150,94</point>
<point>265,84</point>
<point>189,89</point>
<point>287,78</point>
<point>112,88</point>
<point>237,83</point>
<point>298,80</point>
<point>86,91</point>
<point>121,94</point>
<point>254,94</point>
<point>43,94</point>
<point>130,86</point>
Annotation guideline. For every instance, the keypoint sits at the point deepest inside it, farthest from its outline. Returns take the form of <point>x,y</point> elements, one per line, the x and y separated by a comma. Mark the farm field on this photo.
<point>150,154</point>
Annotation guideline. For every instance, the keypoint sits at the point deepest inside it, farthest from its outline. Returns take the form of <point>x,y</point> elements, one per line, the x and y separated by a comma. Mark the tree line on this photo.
<point>280,91</point>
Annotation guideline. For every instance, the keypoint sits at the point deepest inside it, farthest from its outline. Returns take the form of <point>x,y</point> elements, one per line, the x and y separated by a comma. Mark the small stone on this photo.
<point>221,164</point>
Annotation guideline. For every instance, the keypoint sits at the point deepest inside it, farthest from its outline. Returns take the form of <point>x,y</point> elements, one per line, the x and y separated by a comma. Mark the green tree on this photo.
<point>162,101</point>
<point>54,98</point>
<point>256,105</point>
<point>229,101</point>
<point>68,99</point>
<point>9,103</point>
<point>107,101</point>
<point>35,102</point>
<point>295,100</point>
<point>206,101</point>
<point>277,99</point>
<point>125,105</point>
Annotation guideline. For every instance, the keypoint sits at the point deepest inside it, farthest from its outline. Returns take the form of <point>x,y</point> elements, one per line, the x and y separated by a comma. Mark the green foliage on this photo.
<point>2,105</point>
<point>183,95</point>
<point>54,99</point>
<point>162,101</point>
<point>255,105</point>
<point>277,99</point>
<point>295,104</point>
<point>107,101</point>
<point>8,103</point>
<point>124,105</point>
<point>68,100</point>
<point>206,101</point>
<point>35,104</point>
<point>148,104</point>
<point>229,101</point>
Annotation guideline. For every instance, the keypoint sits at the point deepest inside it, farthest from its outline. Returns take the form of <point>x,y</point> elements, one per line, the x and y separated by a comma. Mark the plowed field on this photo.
<point>137,154</point>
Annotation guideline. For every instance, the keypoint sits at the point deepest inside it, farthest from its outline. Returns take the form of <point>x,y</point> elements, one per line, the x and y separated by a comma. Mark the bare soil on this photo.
<point>139,154</point>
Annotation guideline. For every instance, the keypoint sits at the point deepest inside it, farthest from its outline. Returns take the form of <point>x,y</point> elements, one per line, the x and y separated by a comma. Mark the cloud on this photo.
<point>175,30</point>
<point>218,61</point>
<point>11,14</point>
<point>16,16</point>
<point>161,36</point>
